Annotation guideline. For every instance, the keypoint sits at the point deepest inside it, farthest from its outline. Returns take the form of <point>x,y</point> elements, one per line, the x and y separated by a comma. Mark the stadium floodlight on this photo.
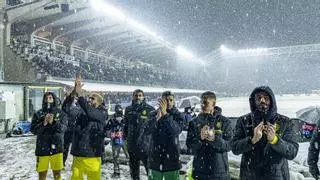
<point>226,50</point>
<point>141,27</point>
<point>108,9</point>
<point>183,52</point>
<point>96,4</point>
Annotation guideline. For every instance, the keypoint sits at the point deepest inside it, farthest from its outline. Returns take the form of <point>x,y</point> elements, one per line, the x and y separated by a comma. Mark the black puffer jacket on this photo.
<point>210,157</point>
<point>264,161</point>
<point>164,146</point>
<point>134,118</point>
<point>314,149</point>
<point>73,110</point>
<point>49,137</point>
<point>88,137</point>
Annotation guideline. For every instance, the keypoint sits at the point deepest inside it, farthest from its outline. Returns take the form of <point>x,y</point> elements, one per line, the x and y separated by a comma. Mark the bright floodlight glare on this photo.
<point>225,50</point>
<point>183,52</point>
<point>141,27</point>
<point>107,9</point>
<point>96,4</point>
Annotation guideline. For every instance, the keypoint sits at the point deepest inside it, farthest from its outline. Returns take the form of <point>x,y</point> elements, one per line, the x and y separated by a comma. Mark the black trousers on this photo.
<point>134,163</point>
<point>115,156</point>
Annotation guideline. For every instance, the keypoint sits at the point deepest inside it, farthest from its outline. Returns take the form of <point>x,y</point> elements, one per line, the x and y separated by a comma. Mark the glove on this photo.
<point>314,171</point>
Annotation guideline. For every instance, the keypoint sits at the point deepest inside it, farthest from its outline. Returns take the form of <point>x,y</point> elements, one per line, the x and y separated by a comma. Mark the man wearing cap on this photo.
<point>88,138</point>
<point>134,117</point>
<point>165,125</point>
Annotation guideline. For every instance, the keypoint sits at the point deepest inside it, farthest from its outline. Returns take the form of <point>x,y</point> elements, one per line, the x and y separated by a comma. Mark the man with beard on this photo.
<point>49,124</point>
<point>209,137</point>
<point>265,139</point>
<point>134,117</point>
<point>88,137</point>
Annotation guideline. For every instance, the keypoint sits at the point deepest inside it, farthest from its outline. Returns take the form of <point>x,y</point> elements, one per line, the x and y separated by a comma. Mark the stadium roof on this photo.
<point>82,26</point>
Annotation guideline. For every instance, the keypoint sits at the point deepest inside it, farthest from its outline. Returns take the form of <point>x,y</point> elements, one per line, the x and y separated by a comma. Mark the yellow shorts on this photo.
<point>55,161</point>
<point>90,166</point>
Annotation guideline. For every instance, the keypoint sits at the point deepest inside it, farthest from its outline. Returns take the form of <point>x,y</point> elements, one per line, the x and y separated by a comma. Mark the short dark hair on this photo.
<point>166,94</point>
<point>208,95</point>
<point>137,91</point>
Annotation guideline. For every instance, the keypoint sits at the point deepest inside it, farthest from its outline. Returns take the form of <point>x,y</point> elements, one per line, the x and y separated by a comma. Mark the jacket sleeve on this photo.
<point>287,145</point>
<point>37,126</point>
<point>240,143</point>
<point>60,125</point>
<point>222,143</point>
<point>109,125</point>
<point>66,104</point>
<point>125,123</point>
<point>173,126</point>
<point>151,125</point>
<point>193,137</point>
<point>94,114</point>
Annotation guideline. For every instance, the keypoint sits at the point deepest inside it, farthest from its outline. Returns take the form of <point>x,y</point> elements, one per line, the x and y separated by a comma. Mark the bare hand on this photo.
<point>211,135</point>
<point>270,131</point>
<point>257,133</point>
<point>159,114</point>
<point>204,132</point>
<point>49,118</point>
<point>45,122</point>
<point>78,85</point>
<point>163,106</point>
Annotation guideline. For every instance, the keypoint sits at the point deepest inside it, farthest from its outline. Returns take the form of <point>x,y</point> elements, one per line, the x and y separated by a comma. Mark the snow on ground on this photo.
<point>18,161</point>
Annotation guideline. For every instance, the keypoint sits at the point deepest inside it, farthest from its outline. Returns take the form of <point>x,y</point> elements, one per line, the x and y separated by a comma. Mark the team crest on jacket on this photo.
<point>144,112</point>
<point>219,124</point>
<point>56,117</point>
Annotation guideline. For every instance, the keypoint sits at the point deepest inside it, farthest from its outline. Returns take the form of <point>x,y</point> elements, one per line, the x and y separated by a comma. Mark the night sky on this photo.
<point>203,25</point>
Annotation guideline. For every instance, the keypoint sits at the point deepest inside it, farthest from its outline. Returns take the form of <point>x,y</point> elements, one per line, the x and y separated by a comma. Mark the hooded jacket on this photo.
<point>262,161</point>
<point>49,137</point>
<point>210,157</point>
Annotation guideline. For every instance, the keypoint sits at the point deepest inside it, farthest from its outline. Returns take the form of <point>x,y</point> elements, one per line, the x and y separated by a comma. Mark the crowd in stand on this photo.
<point>53,63</point>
